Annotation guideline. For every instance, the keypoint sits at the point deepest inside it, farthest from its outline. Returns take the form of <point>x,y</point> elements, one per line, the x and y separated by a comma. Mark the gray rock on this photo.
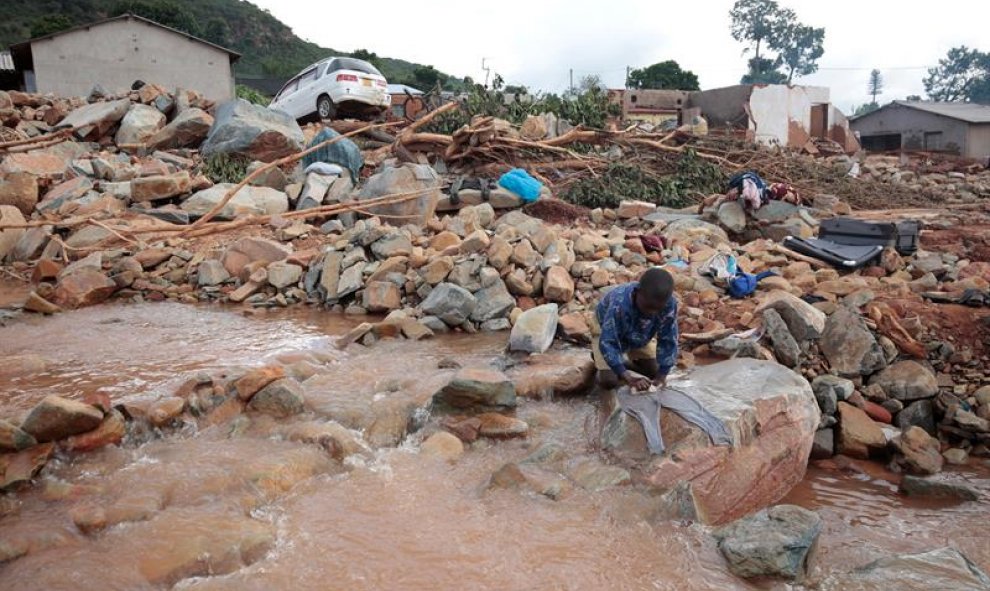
<point>353,257</point>
<point>493,302</point>
<point>830,389</point>
<point>907,380</point>
<point>172,216</point>
<point>919,413</point>
<point>282,274</point>
<point>775,212</point>
<point>477,389</point>
<point>942,487</point>
<point>590,474</point>
<point>252,131</point>
<point>351,280</point>
<point>534,329</point>
<point>392,246</point>
<point>945,569</point>
<point>247,201</point>
<point>784,346</point>
<point>803,320</point>
<point>451,303</point>
<point>408,178</point>
<point>211,272</point>
<point>13,438</point>
<point>95,120</point>
<point>732,216</point>
<point>824,444</point>
<point>314,191</point>
<point>849,346</point>
<point>772,543</point>
<point>281,398</point>
<point>433,323</point>
<point>139,124</point>
<point>187,130</point>
<point>465,274</point>
<point>733,346</point>
<point>531,478</point>
<point>495,325</point>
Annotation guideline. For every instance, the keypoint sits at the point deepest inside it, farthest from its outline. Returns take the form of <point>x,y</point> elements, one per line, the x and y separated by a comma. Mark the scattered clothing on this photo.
<point>645,408</point>
<point>343,152</point>
<point>744,284</point>
<point>722,267</point>
<point>521,183</point>
<point>652,242</point>
<point>624,329</point>
<point>752,189</point>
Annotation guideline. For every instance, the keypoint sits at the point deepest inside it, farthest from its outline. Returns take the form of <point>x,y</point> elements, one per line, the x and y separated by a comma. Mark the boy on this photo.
<point>637,320</point>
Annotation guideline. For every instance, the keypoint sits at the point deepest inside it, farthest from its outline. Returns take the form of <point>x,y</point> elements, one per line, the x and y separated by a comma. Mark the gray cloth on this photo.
<point>646,407</point>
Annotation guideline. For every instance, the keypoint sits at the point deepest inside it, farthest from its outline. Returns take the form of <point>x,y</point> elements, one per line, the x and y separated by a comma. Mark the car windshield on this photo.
<point>349,63</point>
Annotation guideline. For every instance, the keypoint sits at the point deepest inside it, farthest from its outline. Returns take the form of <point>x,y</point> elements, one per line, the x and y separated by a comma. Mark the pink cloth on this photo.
<point>751,195</point>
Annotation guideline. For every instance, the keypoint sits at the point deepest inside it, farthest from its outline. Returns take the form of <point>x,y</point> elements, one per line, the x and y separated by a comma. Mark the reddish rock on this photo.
<point>256,379</point>
<point>247,250</point>
<point>20,467</point>
<point>382,296</point>
<point>41,164</point>
<point>154,188</point>
<point>152,257</point>
<point>500,426</point>
<point>98,400</point>
<point>918,451</point>
<point>9,216</point>
<point>20,190</point>
<point>85,287</point>
<point>56,418</point>
<point>442,445</point>
<point>553,374</point>
<point>877,412</point>
<point>89,518</point>
<point>45,270</point>
<point>465,428</point>
<point>226,412</point>
<point>858,435</point>
<point>163,411</point>
<point>110,432</point>
<point>559,287</point>
<point>187,130</point>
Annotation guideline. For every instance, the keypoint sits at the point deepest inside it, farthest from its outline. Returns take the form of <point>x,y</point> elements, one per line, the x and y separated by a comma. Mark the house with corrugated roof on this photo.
<point>952,127</point>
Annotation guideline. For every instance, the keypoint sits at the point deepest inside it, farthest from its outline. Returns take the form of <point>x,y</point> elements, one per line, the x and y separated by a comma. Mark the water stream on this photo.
<point>276,514</point>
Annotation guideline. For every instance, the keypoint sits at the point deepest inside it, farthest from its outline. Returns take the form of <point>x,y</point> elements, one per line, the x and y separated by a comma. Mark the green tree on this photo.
<point>913,97</point>
<point>217,31</point>
<point>763,71</point>
<point>368,56</point>
<point>428,77</point>
<point>754,22</point>
<point>875,86</point>
<point>50,23</point>
<point>666,74</point>
<point>165,12</point>
<point>962,75</point>
<point>590,82</point>
<point>515,89</point>
<point>799,48</point>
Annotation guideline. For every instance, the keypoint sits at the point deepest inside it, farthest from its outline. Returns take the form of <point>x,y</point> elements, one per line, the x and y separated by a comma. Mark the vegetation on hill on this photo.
<point>268,47</point>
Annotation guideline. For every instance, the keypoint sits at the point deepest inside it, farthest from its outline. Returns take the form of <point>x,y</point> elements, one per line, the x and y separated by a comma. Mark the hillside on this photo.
<point>269,47</point>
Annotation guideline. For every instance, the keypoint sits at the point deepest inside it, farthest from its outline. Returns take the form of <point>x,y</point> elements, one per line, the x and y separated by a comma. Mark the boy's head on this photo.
<point>656,287</point>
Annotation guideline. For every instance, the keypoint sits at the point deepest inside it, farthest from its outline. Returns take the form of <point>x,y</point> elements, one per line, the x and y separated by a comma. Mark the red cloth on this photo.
<point>652,243</point>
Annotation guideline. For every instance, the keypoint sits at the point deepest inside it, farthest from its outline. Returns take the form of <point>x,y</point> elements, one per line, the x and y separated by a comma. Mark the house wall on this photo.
<point>839,130</point>
<point>781,115</point>
<point>116,53</point>
<point>912,124</point>
<point>978,145</point>
<point>723,107</point>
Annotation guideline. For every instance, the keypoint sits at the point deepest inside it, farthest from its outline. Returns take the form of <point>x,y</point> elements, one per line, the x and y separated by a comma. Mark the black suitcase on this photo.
<point>903,236</point>
<point>845,256</point>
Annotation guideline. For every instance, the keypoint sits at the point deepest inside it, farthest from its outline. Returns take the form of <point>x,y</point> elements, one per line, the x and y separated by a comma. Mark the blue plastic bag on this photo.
<point>521,183</point>
<point>344,153</point>
<point>743,284</point>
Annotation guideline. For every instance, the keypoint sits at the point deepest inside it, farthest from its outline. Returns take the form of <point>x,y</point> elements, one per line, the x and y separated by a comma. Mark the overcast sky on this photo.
<point>537,42</point>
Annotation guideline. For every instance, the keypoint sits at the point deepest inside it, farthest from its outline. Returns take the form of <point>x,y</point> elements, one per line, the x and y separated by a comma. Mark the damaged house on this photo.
<point>117,51</point>
<point>774,114</point>
<point>956,128</point>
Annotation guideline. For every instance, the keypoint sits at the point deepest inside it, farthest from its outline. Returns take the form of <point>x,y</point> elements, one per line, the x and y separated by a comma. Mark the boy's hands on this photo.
<point>660,382</point>
<point>636,381</point>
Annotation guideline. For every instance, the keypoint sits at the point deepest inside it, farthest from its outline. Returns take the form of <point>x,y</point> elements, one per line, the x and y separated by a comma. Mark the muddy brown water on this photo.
<point>274,514</point>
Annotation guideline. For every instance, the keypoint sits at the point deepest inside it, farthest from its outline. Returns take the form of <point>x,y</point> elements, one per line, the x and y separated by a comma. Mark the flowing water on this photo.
<point>234,506</point>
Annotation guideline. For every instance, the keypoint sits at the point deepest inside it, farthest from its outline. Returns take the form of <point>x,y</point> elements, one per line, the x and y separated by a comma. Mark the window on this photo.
<point>290,87</point>
<point>348,63</point>
<point>307,77</point>
<point>933,140</point>
<point>399,110</point>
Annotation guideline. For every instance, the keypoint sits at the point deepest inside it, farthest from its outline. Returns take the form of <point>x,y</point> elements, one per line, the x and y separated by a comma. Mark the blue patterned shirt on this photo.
<point>624,328</point>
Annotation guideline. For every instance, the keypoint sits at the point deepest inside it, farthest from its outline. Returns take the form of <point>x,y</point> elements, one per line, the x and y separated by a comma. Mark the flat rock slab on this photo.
<point>945,569</point>
<point>769,410</point>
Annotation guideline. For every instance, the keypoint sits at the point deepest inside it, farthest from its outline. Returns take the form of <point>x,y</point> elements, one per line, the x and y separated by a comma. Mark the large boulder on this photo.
<point>534,330</point>
<point>247,201</point>
<point>281,398</point>
<point>732,216</point>
<point>249,249</point>
<point>451,303</point>
<point>19,189</point>
<point>769,410</point>
<point>849,346</point>
<point>493,302</point>
<point>406,179</point>
<point>478,389</point>
<point>907,381</point>
<point>93,121</point>
<point>13,438</point>
<point>253,131</point>
<point>56,418</point>
<point>772,543</point>
<point>187,130</point>
<point>945,569</point>
<point>918,452</point>
<point>558,287</point>
<point>85,287</point>
<point>139,124</point>
<point>803,320</point>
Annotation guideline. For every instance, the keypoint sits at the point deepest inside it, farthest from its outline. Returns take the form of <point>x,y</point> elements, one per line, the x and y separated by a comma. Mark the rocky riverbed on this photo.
<point>360,488</point>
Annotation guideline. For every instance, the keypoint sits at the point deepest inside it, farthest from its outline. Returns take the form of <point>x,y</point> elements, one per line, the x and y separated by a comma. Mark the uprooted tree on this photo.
<point>962,75</point>
<point>667,74</point>
<point>777,39</point>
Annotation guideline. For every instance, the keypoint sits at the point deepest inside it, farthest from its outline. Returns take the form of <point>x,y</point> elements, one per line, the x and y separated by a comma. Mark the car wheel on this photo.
<point>325,107</point>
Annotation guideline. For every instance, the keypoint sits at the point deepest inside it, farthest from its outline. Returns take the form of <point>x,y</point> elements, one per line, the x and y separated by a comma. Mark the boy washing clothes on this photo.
<point>634,332</point>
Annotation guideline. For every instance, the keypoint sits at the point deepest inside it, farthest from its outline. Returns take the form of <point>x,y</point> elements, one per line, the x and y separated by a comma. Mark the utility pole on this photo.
<point>628,72</point>
<point>571,89</point>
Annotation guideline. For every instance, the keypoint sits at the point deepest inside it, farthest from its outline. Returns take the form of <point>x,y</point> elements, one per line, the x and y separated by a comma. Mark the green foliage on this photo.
<point>217,31</point>
<point>251,95</point>
<point>765,24</point>
<point>621,181</point>
<point>165,12</point>
<point>763,71</point>
<point>368,56</point>
<point>50,23</point>
<point>590,109</point>
<point>591,82</point>
<point>225,168</point>
<point>962,75</point>
<point>875,86</point>
<point>666,74</point>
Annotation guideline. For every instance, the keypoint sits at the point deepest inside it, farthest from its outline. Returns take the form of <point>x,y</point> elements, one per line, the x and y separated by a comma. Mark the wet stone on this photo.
<point>281,398</point>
